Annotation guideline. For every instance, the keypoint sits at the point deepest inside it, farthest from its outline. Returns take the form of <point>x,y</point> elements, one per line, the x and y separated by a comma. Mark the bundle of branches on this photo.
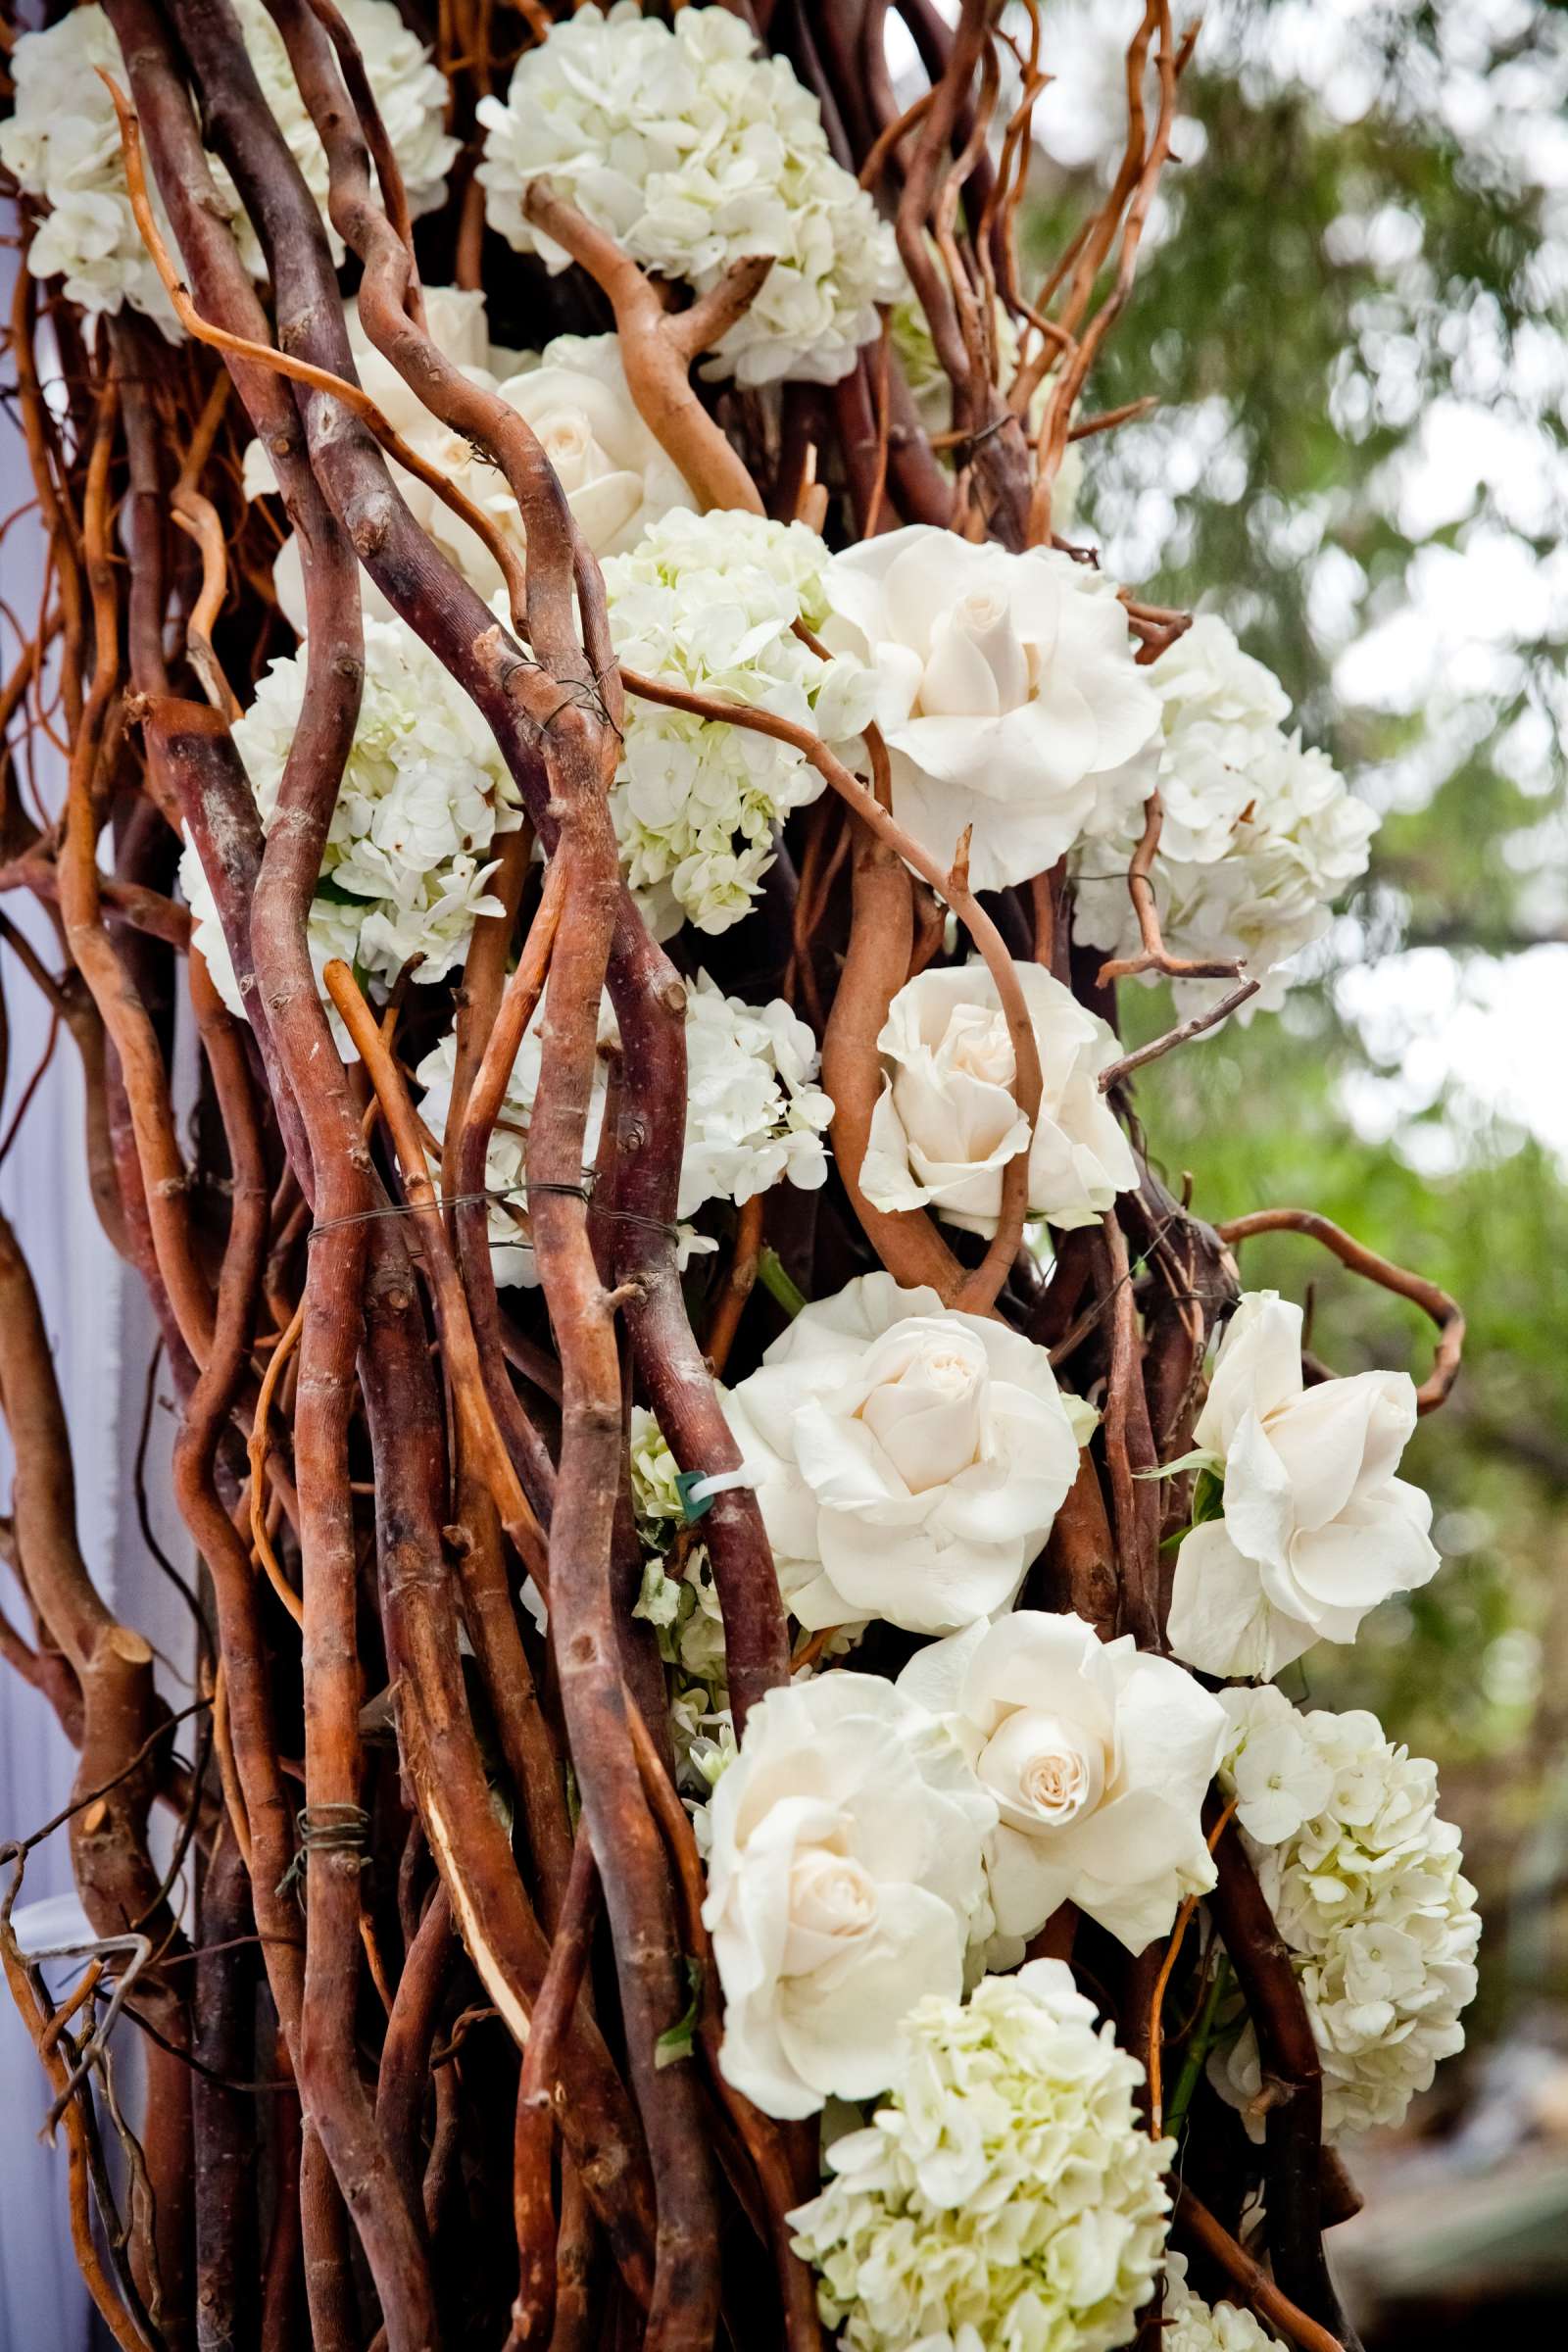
<point>720,1595</point>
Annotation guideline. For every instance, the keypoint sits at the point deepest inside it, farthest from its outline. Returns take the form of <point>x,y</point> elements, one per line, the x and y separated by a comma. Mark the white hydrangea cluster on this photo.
<point>711,602</point>
<point>694,152</point>
<point>1190,2325</point>
<point>1005,2199</point>
<point>63,144</point>
<point>1365,1883</point>
<point>1260,835</point>
<point>754,1112</point>
<point>424,793</point>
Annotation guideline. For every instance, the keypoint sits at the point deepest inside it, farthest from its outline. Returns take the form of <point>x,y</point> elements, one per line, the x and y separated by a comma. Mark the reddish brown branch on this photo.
<point>1444,1311</point>
<point>1292,2075</point>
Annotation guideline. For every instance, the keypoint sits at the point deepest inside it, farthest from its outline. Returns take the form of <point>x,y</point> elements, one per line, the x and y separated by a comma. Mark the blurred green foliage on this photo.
<point>1352,317</point>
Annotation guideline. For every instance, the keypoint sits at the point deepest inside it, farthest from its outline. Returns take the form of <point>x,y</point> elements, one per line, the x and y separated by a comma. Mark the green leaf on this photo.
<point>1208,1498</point>
<point>675,2043</point>
<point>329,888</point>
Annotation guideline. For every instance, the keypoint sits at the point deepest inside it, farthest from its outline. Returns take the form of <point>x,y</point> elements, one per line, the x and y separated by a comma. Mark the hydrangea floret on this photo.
<point>1190,2325</point>
<point>408,856</point>
<point>1364,1883</point>
<point>63,144</point>
<point>696,152</point>
<point>711,602</point>
<point>679,1600</point>
<point>1259,836</point>
<point>1005,2199</point>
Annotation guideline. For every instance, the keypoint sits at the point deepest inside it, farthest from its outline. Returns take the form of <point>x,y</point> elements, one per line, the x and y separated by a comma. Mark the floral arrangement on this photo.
<point>711,1446</point>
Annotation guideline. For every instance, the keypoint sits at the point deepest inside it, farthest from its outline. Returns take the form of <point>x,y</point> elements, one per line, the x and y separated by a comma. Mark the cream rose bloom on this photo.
<point>616,475</point>
<point>1316,1528</point>
<point>844,1878</point>
<point>1099,1757</point>
<point>947,1124</point>
<point>908,1459</point>
<point>1006,690</point>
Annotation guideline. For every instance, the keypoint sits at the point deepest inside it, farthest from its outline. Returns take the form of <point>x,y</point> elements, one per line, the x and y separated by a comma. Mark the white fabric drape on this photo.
<point>102,1334</point>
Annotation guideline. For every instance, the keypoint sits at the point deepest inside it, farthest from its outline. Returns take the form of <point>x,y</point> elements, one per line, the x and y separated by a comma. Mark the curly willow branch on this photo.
<point>1442,1310</point>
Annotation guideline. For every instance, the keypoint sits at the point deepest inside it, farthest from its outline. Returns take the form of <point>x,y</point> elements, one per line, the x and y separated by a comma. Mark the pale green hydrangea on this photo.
<point>711,601</point>
<point>1192,2326</point>
<point>63,144</point>
<point>424,793</point>
<point>1365,1883</point>
<point>654,1495</point>
<point>683,1610</point>
<point>694,152</point>
<point>1005,2199</point>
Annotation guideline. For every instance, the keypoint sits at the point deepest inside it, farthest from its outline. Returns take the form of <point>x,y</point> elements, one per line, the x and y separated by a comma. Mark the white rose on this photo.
<point>843,1877</point>
<point>909,1459</point>
<point>1006,690</point>
<point>1316,1528</point>
<point>616,476</point>
<point>948,1123</point>
<point>1099,1757</point>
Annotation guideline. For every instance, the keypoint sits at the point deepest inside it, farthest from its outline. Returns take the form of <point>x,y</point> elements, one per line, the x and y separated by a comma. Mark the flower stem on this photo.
<point>1197,2049</point>
<point>777,1284</point>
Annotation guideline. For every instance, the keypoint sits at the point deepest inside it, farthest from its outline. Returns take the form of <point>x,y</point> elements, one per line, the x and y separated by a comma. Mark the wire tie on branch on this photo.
<point>698,1488</point>
<point>963,449</point>
<point>334,1829</point>
<point>583,1192</point>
